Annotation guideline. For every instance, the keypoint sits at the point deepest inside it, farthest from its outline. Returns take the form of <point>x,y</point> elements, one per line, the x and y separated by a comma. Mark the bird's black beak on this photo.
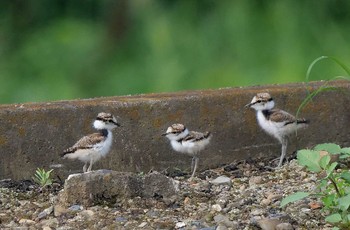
<point>248,105</point>
<point>116,123</point>
<point>164,134</point>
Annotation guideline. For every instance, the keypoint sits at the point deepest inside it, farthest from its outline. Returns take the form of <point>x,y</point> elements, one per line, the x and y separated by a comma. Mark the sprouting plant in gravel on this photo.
<point>325,86</point>
<point>42,177</point>
<point>334,186</point>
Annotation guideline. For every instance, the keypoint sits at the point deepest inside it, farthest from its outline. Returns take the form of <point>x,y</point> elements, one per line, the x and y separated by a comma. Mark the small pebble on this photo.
<point>222,180</point>
<point>180,225</point>
<point>216,208</point>
<point>284,226</point>
<point>255,180</point>
<point>120,219</point>
<point>143,224</point>
<point>221,227</point>
<point>45,213</point>
<point>268,224</point>
<point>26,221</point>
<point>75,207</point>
<point>265,202</point>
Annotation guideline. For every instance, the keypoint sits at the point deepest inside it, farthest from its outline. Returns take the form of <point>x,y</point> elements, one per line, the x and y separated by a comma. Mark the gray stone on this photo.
<point>284,226</point>
<point>152,214</point>
<point>121,219</point>
<point>45,213</point>
<point>221,180</point>
<point>26,221</point>
<point>50,223</point>
<point>99,186</point>
<point>46,228</point>
<point>160,186</point>
<point>223,220</point>
<point>88,214</point>
<point>255,180</point>
<point>59,210</point>
<point>221,227</point>
<point>143,224</point>
<point>179,225</point>
<point>109,187</point>
<point>268,224</point>
<point>75,207</point>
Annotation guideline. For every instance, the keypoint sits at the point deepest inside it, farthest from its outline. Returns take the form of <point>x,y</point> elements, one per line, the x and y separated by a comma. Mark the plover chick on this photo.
<point>188,142</point>
<point>276,122</point>
<point>91,148</point>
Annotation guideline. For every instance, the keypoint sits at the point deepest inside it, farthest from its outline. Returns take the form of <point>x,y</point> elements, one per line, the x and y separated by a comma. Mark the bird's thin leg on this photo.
<point>84,167</point>
<point>192,163</point>
<point>195,166</point>
<point>284,151</point>
<point>90,166</point>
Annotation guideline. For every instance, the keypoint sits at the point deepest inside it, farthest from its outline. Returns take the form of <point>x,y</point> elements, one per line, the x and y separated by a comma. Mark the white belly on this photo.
<point>177,146</point>
<point>193,148</point>
<point>271,128</point>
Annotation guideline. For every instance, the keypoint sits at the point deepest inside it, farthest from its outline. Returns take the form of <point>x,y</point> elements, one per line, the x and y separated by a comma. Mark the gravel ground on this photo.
<point>246,196</point>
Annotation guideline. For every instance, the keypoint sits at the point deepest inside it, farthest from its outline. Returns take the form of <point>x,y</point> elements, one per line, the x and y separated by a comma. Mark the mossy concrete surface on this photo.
<point>33,135</point>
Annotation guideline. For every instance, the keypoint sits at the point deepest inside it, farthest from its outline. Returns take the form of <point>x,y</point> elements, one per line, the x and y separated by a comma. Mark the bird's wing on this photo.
<point>86,142</point>
<point>277,115</point>
<point>196,136</point>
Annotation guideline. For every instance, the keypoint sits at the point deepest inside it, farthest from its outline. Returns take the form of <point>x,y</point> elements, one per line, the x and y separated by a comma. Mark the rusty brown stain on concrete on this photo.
<point>21,131</point>
<point>134,114</point>
<point>157,122</point>
<point>3,140</point>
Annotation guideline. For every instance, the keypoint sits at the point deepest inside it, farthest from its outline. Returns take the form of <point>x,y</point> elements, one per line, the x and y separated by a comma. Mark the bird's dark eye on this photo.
<point>258,101</point>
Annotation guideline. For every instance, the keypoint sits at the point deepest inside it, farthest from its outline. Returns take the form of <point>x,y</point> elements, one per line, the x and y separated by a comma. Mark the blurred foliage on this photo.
<point>60,49</point>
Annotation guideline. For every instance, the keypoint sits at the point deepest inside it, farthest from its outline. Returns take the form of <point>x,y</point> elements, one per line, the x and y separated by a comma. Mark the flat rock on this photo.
<point>26,221</point>
<point>268,224</point>
<point>106,186</point>
<point>284,226</point>
<point>221,180</point>
<point>94,187</point>
<point>159,186</point>
<point>45,213</point>
<point>255,180</point>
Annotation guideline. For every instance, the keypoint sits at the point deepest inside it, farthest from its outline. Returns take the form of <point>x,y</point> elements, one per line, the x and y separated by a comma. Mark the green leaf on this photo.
<point>294,197</point>
<point>310,159</point>
<point>331,168</point>
<point>333,218</point>
<point>344,156</point>
<point>328,200</point>
<point>344,202</point>
<point>345,176</point>
<point>324,161</point>
<point>345,150</point>
<point>323,184</point>
<point>329,147</point>
<point>42,177</point>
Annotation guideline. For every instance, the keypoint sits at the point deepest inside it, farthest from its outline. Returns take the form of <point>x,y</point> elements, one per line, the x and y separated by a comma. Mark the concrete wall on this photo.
<point>33,135</point>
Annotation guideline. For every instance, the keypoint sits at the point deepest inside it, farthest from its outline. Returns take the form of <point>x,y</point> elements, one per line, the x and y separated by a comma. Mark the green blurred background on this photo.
<point>60,49</point>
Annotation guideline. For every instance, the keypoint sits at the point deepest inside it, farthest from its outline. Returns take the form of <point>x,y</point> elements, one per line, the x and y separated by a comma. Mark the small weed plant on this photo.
<point>333,186</point>
<point>42,177</point>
